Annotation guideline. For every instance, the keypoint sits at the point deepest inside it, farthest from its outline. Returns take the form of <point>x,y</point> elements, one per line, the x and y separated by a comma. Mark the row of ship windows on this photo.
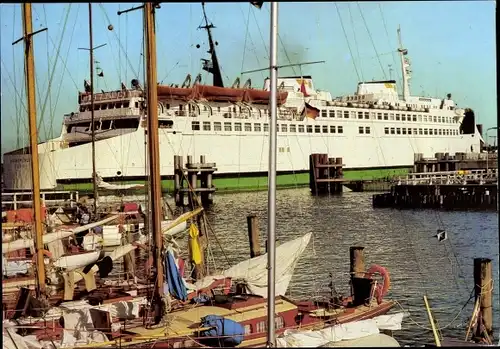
<point>257,127</point>
<point>419,131</point>
<point>386,116</point>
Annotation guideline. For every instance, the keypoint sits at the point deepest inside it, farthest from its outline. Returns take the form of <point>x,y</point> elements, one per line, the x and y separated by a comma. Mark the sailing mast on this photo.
<point>154,154</point>
<point>271,230</point>
<point>29,70</point>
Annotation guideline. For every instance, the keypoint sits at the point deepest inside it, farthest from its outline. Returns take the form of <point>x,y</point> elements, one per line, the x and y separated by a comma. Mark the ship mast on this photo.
<point>154,154</point>
<point>91,51</point>
<point>211,66</point>
<point>29,69</point>
<point>405,66</point>
<point>271,221</point>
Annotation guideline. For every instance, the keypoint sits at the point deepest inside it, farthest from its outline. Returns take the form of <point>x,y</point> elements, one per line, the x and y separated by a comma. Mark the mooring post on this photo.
<point>483,287</point>
<point>253,235</point>
<point>357,258</point>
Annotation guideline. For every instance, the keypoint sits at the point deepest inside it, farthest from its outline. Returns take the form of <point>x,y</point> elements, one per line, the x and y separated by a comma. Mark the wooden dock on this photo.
<point>325,174</point>
<point>197,177</point>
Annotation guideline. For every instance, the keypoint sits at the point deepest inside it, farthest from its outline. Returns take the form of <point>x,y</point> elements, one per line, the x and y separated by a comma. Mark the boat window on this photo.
<point>425,118</point>
<point>414,131</point>
<point>361,130</point>
<point>317,129</point>
<point>397,117</point>
<point>414,117</point>
<point>426,132</point>
<point>403,117</point>
<point>82,109</point>
<point>248,126</point>
<point>168,105</point>
<point>398,131</point>
<point>339,113</point>
<point>325,129</point>
<point>125,123</point>
<point>217,126</point>
<point>181,107</point>
<point>301,128</point>
<point>353,114</point>
<point>404,130</point>
<point>393,131</point>
<point>391,116</point>
<point>266,127</point>
<point>440,131</point>
<point>346,114</point>
<point>126,104</point>
<point>331,113</point>
<point>332,129</point>
<point>340,129</point>
<point>367,129</point>
<point>293,128</point>
<point>256,127</point>
<point>434,118</point>
<point>435,131</point>
<point>237,126</point>
<point>360,114</point>
<point>367,115</point>
<point>165,123</point>
<point>248,329</point>
<point>227,126</point>
<point>324,113</point>
<point>137,104</point>
<point>386,130</point>
<point>105,125</point>
<point>195,125</point>
<point>420,131</point>
<point>386,116</point>
<point>206,125</point>
<point>284,128</point>
<point>309,129</point>
<point>409,131</point>
<point>379,116</point>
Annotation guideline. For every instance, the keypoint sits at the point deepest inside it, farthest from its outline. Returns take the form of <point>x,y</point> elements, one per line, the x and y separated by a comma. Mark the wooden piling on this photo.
<point>483,287</point>
<point>198,176</point>
<point>253,235</point>
<point>357,259</point>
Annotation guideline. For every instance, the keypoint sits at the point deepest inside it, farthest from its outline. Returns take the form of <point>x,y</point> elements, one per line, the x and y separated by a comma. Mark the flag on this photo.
<point>441,235</point>
<point>257,4</point>
<point>310,111</point>
<point>303,89</point>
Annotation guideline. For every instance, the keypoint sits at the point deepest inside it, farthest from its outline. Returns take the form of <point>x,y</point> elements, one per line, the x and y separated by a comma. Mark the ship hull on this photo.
<point>241,157</point>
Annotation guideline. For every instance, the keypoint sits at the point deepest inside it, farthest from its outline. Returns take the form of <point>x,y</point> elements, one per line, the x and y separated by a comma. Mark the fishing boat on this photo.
<point>375,130</point>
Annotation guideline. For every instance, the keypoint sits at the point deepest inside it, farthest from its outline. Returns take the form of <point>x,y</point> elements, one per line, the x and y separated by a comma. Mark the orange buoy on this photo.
<point>381,289</point>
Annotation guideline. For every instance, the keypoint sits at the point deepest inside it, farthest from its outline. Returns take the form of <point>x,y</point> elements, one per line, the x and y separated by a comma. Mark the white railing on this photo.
<point>450,177</point>
<point>49,198</point>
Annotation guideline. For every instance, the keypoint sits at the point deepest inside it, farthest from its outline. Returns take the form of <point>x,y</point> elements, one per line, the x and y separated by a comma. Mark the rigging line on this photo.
<point>254,48</point>
<point>260,32</point>
<point>389,41</point>
<point>355,40</point>
<point>119,42</point>
<point>246,38</point>
<point>283,45</point>
<point>371,39</point>
<point>16,105</point>
<point>51,76</point>
<point>119,54</point>
<point>347,41</point>
<point>51,110</point>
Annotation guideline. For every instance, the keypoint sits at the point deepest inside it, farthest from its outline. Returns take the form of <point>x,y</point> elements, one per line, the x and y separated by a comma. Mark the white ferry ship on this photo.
<point>374,130</point>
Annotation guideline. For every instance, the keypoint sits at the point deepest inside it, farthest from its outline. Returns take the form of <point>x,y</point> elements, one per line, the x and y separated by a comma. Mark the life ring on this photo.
<point>45,254</point>
<point>381,289</point>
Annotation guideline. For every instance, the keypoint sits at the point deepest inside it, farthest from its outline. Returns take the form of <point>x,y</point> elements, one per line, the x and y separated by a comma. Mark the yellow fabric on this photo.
<point>194,244</point>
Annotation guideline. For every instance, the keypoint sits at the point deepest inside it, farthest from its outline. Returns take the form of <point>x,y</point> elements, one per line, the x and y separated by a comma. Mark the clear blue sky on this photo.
<point>451,46</point>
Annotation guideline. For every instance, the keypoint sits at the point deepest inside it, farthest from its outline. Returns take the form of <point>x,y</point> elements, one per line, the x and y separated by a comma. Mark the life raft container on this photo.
<point>382,288</point>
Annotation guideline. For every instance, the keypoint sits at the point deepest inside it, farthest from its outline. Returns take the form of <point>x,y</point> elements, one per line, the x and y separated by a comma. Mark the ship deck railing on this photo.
<point>482,176</point>
<point>15,200</point>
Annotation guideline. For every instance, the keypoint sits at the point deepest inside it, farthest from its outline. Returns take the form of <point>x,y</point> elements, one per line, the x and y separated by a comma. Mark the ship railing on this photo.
<point>15,200</point>
<point>450,177</point>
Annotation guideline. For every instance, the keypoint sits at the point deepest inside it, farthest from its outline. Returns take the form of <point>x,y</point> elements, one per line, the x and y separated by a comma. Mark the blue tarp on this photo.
<point>228,332</point>
<point>176,286</point>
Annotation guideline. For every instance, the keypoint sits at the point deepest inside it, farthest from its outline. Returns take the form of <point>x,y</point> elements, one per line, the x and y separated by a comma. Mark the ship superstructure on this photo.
<point>372,128</point>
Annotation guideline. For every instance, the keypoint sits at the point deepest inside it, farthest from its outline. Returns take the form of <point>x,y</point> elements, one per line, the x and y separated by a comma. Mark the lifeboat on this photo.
<point>176,92</point>
<point>214,93</point>
<point>262,96</point>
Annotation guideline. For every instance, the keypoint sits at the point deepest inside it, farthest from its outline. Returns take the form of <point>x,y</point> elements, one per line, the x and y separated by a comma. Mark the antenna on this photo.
<point>283,66</point>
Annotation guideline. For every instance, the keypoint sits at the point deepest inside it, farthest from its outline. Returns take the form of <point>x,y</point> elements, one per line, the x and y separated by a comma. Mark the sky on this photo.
<point>451,50</point>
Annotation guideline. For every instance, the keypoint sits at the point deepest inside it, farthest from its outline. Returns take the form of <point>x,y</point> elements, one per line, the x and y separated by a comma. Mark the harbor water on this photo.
<point>403,241</point>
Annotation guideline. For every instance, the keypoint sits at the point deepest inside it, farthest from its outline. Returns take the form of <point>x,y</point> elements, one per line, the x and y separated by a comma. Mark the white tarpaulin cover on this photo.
<point>253,271</point>
<point>343,332</point>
